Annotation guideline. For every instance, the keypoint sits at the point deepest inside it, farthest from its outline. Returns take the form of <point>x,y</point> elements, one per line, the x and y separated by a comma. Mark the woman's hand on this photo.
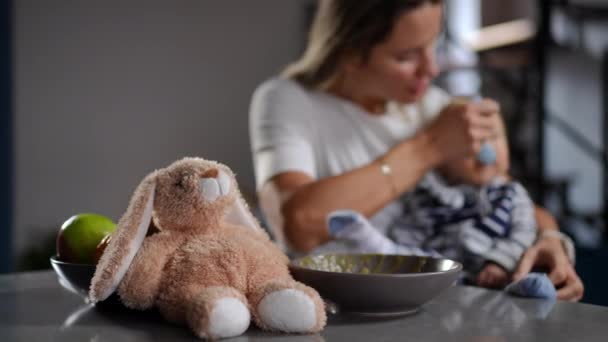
<point>548,252</point>
<point>462,127</point>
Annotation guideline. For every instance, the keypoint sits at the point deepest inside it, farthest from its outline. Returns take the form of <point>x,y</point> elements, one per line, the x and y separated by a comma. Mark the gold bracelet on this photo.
<point>387,170</point>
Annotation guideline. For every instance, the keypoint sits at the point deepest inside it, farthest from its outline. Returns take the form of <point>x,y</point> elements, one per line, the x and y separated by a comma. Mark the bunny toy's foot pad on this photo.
<point>288,310</point>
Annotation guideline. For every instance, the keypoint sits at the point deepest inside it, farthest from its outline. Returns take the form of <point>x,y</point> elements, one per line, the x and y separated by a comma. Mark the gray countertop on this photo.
<point>34,307</point>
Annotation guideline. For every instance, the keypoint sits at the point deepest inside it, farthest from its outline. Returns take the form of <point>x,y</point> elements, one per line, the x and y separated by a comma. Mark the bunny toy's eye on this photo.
<point>182,181</point>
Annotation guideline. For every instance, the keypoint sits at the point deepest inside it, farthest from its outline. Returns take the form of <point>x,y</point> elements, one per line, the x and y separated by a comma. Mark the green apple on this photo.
<point>79,236</point>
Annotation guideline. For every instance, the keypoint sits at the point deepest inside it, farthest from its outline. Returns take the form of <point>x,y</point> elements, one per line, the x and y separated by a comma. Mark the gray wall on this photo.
<point>107,91</point>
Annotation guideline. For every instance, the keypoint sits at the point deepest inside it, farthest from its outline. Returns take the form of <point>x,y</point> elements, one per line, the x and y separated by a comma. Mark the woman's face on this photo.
<point>402,66</point>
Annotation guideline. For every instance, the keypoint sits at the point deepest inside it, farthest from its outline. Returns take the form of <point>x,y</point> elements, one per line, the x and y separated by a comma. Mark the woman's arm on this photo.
<point>303,204</point>
<point>545,220</point>
<point>548,251</point>
<point>298,204</point>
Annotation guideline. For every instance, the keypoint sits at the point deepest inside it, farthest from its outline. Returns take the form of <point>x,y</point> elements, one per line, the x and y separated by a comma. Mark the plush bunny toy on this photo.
<point>209,265</point>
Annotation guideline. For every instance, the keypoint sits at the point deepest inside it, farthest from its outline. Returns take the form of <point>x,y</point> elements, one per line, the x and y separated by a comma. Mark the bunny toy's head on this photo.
<point>192,195</point>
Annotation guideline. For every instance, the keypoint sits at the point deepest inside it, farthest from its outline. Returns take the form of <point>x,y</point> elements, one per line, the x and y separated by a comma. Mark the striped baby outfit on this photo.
<point>466,223</point>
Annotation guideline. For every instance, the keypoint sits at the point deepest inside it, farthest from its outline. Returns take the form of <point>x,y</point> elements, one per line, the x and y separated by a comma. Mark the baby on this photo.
<point>467,210</point>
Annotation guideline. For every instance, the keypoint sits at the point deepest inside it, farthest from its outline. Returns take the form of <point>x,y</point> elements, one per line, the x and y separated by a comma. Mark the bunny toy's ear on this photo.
<point>125,241</point>
<point>239,214</point>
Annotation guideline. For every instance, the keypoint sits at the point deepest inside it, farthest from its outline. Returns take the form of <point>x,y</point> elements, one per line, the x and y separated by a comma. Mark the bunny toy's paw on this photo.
<point>219,312</point>
<point>229,317</point>
<point>288,310</point>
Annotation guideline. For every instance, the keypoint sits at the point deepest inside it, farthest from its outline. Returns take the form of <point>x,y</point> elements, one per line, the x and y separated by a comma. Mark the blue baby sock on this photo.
<point>536,285</point>
<point>487,154</point>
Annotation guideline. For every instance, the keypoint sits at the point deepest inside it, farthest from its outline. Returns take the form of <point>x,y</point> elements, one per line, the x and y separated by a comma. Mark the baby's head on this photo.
<point>473,172</point>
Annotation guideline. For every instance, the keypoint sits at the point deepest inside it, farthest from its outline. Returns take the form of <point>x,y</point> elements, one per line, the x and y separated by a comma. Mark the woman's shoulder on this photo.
<point>279,87</point>
<point>279,99</point>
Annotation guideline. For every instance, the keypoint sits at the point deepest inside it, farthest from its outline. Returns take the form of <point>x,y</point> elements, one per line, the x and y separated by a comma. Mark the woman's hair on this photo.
<point>342,27</point>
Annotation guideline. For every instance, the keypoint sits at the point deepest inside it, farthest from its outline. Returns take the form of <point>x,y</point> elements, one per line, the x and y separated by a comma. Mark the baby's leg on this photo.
<point>353,227</point>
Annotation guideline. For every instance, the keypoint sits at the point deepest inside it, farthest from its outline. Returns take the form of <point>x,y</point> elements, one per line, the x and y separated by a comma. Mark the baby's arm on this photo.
<point>507,250</point>
<point>510,249</point>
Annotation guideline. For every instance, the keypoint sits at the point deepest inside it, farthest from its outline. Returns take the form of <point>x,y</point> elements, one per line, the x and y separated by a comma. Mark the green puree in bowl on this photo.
<point>363,264</point>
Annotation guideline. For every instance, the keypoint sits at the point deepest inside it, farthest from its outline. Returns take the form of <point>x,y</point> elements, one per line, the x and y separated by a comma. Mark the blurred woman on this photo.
<point>355,122</point>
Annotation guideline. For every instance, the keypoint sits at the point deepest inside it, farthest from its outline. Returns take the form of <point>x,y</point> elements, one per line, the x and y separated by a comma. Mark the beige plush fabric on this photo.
<point>180,268</point>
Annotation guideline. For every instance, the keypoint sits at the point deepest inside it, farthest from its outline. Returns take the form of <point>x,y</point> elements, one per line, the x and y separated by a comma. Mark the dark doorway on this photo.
<point>6,136</point>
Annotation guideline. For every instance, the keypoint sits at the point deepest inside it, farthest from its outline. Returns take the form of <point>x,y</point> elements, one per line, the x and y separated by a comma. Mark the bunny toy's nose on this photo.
<point>214,184</point>
<point>211,173</point>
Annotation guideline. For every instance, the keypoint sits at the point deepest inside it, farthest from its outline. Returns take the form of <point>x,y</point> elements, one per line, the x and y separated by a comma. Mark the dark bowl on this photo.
<point>74,277</point>
<point>374,283</point>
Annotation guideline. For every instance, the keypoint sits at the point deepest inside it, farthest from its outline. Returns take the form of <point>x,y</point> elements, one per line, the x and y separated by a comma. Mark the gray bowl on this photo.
<point>74,277</point>
<point>376,284</point>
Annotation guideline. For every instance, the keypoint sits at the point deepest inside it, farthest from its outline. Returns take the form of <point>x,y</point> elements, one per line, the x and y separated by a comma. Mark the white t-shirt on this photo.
<point>293,128</point>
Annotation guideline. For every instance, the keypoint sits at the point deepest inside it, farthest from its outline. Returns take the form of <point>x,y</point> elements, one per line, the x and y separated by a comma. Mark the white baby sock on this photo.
<point>352,226</point>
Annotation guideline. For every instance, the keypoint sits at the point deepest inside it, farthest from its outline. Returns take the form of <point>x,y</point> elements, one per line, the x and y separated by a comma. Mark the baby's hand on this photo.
<point>492,276</point>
